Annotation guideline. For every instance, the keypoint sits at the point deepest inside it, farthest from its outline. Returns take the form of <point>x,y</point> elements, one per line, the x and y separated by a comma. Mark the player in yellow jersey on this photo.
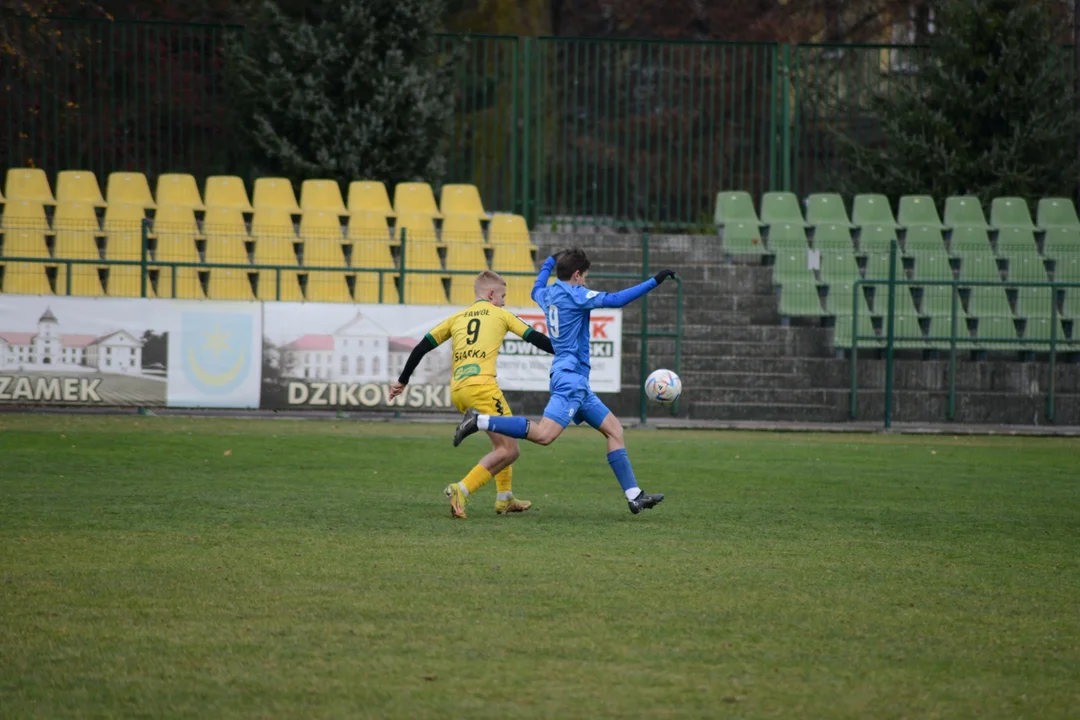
<point>477,333</point>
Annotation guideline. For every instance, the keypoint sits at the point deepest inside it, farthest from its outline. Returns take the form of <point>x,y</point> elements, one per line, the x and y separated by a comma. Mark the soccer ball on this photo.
<point>663,386</point>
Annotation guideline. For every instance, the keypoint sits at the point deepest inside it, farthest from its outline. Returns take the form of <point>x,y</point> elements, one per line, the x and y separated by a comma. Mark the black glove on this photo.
<point>663,275</point>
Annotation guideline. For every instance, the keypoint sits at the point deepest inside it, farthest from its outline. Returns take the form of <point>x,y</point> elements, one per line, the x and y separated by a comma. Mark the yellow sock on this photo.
<point>477,478</point>
<point>503,482</point>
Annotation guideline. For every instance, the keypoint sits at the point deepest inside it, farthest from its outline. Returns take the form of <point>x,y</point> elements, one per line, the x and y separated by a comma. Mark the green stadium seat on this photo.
<point>1067,269</point>
<point>979,265</point>
<point>907,332</point>
<point>839,298</point>
<point>1034,301</point>
<point>937,302</point>
<point>964,211</point>
<point>991,330</point>
<point>800,299</point>
<point>988,301</point>
<point>872,210</point>
<point>1061,241</point>
<point>1014,243</point>
<point>787,236</point>
<point>923,238</point>
<point>876,239</point>
<point>1009,212</point>
<point>781,207</point>
<point>877,267</point>
<point>1038,330</point>
<point>826,209</point>
<point>932,266</point>
<point>940,328</point>
<point>968,238</point>
<point>905,304</point>
<point>842,332</point>
<point>833,237</point>
<point>742,238</point>
<point>1071,308</point>
<point>735,206</point>
<point>918,210</point>
<point>1023,268</point>
<point>1057,213</point>
<point>838,266</point>
<point>791,266</point>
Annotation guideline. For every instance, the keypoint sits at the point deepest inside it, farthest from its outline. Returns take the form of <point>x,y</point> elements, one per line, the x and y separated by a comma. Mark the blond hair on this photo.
<point>487,280</point>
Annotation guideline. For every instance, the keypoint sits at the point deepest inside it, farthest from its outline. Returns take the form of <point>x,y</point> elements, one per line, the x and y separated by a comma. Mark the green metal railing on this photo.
<point>561,130</point>
<point>959,338</point>
<point>201,261</point>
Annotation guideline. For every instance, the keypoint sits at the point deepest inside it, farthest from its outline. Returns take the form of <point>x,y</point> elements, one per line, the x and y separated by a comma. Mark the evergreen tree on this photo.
<point>354,89</point>
<point>989,113</point>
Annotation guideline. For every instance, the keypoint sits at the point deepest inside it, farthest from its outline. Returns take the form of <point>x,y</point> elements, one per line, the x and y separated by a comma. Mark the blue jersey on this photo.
<point>567,308</point>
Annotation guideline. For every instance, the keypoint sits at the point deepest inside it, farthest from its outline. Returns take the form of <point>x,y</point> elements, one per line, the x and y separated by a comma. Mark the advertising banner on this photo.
<point>138,352</point>
<point>347,356</point>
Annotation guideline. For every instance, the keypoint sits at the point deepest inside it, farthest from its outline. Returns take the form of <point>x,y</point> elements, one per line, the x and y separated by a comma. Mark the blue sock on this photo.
<point>620,465</point>
<point>515,427</point>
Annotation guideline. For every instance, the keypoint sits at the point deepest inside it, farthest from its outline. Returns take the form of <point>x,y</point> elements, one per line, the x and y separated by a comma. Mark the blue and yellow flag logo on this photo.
<point>216,350</point>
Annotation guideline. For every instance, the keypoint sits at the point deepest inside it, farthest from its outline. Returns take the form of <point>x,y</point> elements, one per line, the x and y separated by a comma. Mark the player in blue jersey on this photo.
<point>567,304</point>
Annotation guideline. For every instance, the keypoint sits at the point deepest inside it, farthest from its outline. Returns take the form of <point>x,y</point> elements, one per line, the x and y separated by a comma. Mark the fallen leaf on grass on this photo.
<point>228,452</point>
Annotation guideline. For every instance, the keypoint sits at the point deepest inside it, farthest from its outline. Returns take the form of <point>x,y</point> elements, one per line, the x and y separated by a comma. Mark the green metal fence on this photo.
<point>564,131</point>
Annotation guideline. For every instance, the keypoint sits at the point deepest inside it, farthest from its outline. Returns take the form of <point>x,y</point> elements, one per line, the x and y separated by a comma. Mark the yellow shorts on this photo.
<point>487,399</point>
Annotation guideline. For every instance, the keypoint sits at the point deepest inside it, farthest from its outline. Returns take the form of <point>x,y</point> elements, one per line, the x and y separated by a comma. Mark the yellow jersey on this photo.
<point>478,333</point>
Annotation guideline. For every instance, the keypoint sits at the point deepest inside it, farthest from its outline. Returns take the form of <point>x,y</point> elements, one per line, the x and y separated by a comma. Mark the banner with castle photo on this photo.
<point>129,352</point>
<point>346,356</point>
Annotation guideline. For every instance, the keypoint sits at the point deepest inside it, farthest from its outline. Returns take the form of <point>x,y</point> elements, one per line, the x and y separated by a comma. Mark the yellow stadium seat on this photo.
<point>369,196</point>
<point>327,286</point>
<point>414,197</point>
<point>126,217</point>
<point>123,245</point>
<point>275,193</point>
<point>179,189</point>
<point>225,235</point>
<point>24,215</point>
<point>367,288</point>
<point>367,225</point>
<point>176,248</point>
<point>322,195</point>
<point>85,281</point>
<point>323,252</point>
<point>466,256</point>
<point>462,228</point>
<point>273,222</point>
<point>421,245</point>
<point>187,285</point>
<point>372,254</point>
<point>509,230</point>
<point>29,184</point>
<point>221,220</point>
<point>229,284</point>
<point>226,249</point>
<point>518,291</point>
<point>176,219</point>
<point>270,250</point>
<point>424,290</point>
<point>76,216</point>
<point>227,191</point>
<point>26,278</point>
<point>126,281</point>
<point>79,186</point>
<point>462,290</point>
<point>290,286</point>
<point>2,201</point>
<point>28,243</point>
<point>320,224</point>
<point>275,251</point>
<point>461,200</point>
<point>130,188</point>
<point>512,258</point>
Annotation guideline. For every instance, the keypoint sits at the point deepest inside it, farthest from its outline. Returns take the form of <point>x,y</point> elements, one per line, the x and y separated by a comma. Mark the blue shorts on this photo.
<point>573,400</point>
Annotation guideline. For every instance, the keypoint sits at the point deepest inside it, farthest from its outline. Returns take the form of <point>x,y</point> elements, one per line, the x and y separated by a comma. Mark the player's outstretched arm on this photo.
<point>542,279</point>
<point>630,294</point>
<point>422,348</point>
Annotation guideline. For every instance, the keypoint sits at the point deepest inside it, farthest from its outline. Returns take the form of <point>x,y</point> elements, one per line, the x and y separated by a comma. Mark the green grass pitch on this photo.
<point>165,567</point>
